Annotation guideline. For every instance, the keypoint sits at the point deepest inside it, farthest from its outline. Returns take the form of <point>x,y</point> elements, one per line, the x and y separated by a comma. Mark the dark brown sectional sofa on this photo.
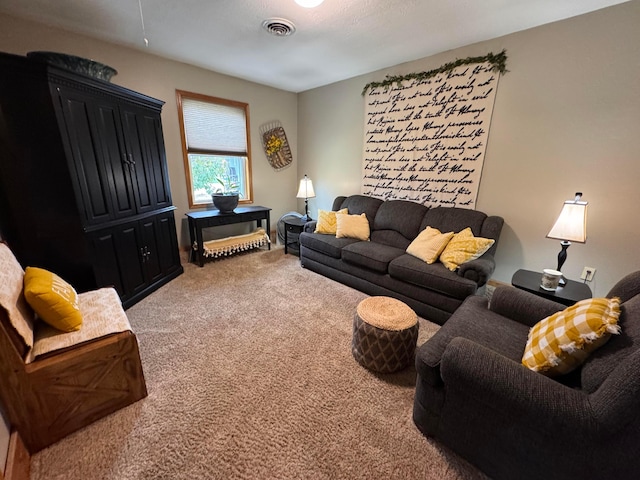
<point>381,266</point>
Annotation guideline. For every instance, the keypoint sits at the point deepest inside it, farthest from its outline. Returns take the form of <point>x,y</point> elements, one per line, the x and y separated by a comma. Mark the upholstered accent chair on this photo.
<point>474,395</point>
<point>53,383</point>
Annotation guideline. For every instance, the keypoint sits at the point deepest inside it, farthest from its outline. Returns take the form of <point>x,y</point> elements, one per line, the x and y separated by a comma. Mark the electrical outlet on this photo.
<point>588,273</point>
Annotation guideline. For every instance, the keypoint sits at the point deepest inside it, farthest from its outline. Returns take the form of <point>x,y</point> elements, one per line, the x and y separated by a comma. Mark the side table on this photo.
<point>568,294</point>
<point>296,227</point>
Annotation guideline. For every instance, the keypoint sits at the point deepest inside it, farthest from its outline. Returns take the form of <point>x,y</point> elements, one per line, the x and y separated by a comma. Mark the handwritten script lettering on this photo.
<point>425,140</point>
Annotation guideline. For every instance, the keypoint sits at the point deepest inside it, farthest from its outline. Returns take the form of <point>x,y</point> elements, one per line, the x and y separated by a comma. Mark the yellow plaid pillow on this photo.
<point>561,342</point>
<point>464,247</point>
<point>53,299</point>
<point>429,244</point>
<point>327,222</point>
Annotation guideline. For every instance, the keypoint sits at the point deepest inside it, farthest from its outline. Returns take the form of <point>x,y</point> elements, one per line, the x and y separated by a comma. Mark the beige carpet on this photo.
<point>250,376</point>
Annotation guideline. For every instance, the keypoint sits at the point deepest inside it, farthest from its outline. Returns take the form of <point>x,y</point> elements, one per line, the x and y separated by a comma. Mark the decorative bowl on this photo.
<point>75,64</point>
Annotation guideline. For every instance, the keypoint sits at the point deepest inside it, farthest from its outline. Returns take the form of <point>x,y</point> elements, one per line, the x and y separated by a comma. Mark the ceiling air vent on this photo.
<point>279,27</point>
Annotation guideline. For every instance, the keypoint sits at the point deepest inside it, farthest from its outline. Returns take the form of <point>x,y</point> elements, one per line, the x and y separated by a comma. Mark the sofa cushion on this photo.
<point>352,226</point>
<point>429,244</point>
<point>357,204</point>
<point>559,343</point>
<point>454,219</point>
<point>373,256</point>
<point>400,216</point>
<point>326,244</point>
<point>434,277</point>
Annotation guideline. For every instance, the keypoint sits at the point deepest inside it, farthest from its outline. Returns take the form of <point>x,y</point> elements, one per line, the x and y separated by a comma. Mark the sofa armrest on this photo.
<point>538,402</point>
<point>310,227</point>
<point>478,270</point>
<point>522,306</point>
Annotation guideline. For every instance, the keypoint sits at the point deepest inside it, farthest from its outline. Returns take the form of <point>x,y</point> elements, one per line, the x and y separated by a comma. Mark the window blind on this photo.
<point>213,127</point>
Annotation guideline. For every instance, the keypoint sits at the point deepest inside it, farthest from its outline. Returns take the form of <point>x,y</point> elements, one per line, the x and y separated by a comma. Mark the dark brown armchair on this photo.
<point>474,396</point>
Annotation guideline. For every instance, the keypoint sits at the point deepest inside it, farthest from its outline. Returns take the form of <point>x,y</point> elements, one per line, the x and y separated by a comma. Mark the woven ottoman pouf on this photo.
<point>385,332</point>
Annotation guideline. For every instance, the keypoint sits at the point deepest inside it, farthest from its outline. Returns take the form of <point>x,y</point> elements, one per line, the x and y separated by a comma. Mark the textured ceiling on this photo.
<point>337,40</point>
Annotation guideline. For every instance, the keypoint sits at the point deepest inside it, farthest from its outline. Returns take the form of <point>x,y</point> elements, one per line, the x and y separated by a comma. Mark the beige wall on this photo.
<point>159,78</point>
<point>566,119</point>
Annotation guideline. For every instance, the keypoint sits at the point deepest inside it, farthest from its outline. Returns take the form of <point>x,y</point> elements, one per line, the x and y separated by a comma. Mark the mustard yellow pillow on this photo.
<point>327,222</point>
<point>53,299</point>
<point>561,342</point>
<point>352,226</point>
<point>429,244</point>
<point>464,247</point>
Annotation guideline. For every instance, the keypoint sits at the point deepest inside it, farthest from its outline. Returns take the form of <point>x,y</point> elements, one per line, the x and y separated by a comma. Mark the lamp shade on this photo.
<point>571,224</point>
<point>306,188</point>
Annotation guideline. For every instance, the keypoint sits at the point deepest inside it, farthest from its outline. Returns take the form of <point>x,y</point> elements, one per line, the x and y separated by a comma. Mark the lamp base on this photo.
<point>306,218</point>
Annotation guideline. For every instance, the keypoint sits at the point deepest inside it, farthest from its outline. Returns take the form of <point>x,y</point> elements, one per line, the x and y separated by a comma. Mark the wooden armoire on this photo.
<point>84,187</point>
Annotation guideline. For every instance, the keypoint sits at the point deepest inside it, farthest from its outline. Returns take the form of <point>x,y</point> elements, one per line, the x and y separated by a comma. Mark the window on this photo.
<point>215,146</point>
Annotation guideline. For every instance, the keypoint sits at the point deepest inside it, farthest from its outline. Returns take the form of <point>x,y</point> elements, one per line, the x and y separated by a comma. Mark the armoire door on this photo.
<point>88,174</point>
<point>142,170</point>
<point>155,157</point>
<point>117,163</point>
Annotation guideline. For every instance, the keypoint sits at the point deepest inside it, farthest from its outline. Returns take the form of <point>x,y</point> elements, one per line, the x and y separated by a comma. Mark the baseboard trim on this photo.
<point>18,459</point>
<point>496,283</point>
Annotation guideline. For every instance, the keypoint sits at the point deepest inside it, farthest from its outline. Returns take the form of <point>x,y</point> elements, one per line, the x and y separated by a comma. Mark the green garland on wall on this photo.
<point>499,62</point>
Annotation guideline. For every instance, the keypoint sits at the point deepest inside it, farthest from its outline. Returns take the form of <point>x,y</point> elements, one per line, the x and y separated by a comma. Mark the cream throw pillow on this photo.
<point>561,342</point>
<point>464,247</point>
<point>429,244</point>
<point>327,222</point>
<point>352,226</point>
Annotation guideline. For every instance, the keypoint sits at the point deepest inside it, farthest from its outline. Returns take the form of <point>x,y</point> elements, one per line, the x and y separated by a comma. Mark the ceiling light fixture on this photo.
<point>309,3</point>
<point>279,27</point>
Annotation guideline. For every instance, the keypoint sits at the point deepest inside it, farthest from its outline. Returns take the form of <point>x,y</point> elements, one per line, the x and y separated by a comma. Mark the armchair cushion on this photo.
<point>53,299</point>
<point>558,344</point>
<point>479,324</point>
<point>103,314</point>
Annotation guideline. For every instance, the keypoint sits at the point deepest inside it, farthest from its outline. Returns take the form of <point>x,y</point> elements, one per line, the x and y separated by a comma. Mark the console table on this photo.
<point>568,294</point>
<point>213,218</point>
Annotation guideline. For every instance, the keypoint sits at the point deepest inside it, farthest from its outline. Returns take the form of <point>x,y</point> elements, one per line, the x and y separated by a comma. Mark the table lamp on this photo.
<point>306,191</point>
<point>571,226</point>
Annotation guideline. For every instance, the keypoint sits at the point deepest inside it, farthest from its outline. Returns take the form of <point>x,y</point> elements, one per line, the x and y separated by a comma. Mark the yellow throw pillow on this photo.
<point>464,247</point>
<point>560,343</point>
<point>53,299</point>
<point>352,226</point>
<point>327,222</point>
<point>429,244</point>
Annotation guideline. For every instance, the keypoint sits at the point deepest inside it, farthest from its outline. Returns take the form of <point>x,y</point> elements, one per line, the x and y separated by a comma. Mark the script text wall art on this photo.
<point>426,133</point>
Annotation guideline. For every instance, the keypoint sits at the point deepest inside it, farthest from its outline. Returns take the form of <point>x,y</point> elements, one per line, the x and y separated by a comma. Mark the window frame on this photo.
<point>180,94</point>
